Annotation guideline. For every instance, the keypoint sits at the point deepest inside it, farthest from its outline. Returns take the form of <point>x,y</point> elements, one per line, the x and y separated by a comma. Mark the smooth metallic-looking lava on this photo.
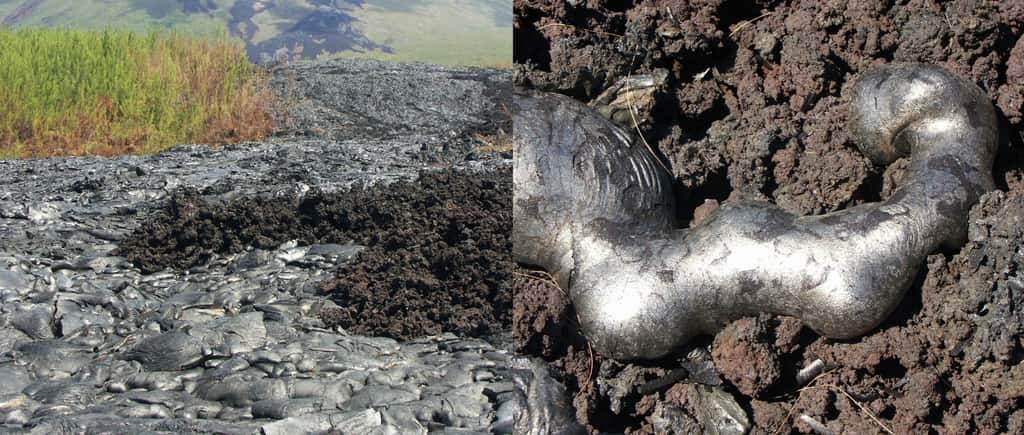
<point>596,210</point>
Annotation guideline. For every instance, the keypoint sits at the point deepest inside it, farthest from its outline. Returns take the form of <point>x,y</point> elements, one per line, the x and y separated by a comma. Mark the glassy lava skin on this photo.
<point>596,211</point>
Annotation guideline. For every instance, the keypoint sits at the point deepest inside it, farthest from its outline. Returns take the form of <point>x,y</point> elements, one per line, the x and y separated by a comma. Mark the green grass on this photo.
<point>431,32</point>
<point>73,92</point>
<point>455,32</point>
<point>136,15</point>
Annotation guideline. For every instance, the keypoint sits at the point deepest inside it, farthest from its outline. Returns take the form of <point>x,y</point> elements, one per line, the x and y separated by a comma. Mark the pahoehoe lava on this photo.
<point>596,210</point>
<point>227,335</point>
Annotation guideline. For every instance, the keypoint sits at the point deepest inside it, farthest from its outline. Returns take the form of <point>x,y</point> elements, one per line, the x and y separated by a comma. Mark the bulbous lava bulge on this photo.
<point>596,210</point>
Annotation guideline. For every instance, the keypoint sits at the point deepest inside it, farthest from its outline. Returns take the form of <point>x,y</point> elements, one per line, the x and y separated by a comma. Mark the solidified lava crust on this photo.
<point>214,325</point>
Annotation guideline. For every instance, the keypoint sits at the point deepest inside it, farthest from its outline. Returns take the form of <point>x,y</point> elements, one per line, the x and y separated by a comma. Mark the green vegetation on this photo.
<point>451,32</point>
<point>136,15</point>
<point>73,92</point>
<point>459,32</point>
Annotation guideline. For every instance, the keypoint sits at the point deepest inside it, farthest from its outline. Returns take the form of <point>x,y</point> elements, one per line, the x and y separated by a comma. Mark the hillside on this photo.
<point>464,32</point>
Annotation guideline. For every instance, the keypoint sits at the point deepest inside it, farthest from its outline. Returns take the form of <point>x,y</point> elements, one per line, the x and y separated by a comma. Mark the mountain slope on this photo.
<point>471,32</point>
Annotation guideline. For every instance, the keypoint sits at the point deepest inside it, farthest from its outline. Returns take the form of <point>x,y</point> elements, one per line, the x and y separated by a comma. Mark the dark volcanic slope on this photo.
<point>437,252</point>
<point>440,263</point>
<point>751,106</point>
<point>382,100</point>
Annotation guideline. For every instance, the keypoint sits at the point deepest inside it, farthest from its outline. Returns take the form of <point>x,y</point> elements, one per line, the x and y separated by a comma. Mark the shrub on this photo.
<point>104,92</point>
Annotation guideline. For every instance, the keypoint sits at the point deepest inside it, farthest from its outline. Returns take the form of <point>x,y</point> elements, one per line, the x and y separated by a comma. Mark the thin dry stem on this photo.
<point>590,372</point>
<point>636,124</point>
<point>746,23</point>
<point>545,278</point>
<point>599,32</point>
<point>799,394</point>
<point>865,410</point>
<point>831,387</point>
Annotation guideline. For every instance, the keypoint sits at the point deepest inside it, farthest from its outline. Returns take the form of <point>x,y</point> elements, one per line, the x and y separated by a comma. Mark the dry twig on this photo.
<point>636,124</point>
<point>746,23</point>
<point>865,410</point>
<point>832,387</point>
<point>599,32</point>
<point>590,372</point>
<point>545,278</point>
<point>799,394</point>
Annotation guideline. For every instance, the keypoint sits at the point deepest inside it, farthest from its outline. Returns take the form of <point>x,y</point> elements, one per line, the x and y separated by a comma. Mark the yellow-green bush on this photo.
<point>65,91</point>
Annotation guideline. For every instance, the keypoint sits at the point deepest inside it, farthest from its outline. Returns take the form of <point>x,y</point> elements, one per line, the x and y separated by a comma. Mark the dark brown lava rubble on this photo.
<point>753,107</point>
<point>437,259</point>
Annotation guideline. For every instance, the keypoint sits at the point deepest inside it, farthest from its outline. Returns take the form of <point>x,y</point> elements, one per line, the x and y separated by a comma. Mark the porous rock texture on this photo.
<point>191,291</point>
<point>751,106</point>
